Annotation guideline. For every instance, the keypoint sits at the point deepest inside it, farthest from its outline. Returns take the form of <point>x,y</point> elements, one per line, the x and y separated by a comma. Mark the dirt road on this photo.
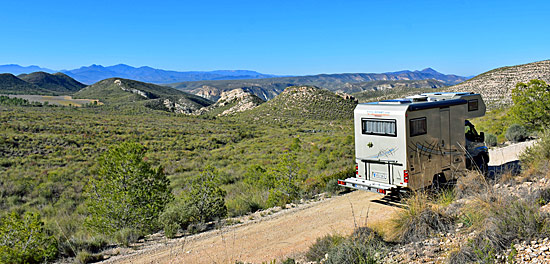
<point>273,237</point>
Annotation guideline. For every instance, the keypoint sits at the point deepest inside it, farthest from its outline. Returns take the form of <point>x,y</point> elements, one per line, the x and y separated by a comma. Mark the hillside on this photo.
<point>232,102</point>
<point>496,85</point>
<point>347,82</point>
<point>95,73</point>
<point>123,92</point>
<point>304,103</point>
<point>57,82</point>
<point>10,84</point>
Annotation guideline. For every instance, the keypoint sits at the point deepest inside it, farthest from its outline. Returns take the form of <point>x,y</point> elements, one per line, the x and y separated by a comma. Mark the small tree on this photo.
<point>286,175</point>
<point>531,104</point>
<point>204,198</point>
<point>24,240</point>
<point>126,192</point>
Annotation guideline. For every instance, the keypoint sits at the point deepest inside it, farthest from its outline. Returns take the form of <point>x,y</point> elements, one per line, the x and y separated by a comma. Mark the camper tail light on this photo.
<point>356,169</point>
<point>406,176</point>
<point>382,191</point>
<point>341,182</point>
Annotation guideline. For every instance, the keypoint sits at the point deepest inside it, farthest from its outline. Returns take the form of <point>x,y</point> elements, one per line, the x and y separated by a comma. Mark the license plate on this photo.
<point>380,175</point>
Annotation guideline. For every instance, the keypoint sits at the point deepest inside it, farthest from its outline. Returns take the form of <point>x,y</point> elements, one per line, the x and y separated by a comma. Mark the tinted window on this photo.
<point>418,126</point>
<point>472,105</point>
<point>380,127</point>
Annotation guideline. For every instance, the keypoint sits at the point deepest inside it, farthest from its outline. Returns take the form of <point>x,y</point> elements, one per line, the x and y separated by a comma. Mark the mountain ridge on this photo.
<point>268,88</point>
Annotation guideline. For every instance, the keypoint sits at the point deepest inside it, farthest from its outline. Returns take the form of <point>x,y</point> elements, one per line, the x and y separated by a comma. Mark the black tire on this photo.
<point>482,161</point>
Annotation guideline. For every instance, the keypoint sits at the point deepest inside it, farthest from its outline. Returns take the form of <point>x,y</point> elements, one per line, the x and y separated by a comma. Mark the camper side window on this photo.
<point>418,126</point>
<point>472,105</point>
<point>380,127</point>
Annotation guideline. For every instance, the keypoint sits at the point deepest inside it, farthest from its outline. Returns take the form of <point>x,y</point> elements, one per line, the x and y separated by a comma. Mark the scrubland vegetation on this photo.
<point>50,155</point>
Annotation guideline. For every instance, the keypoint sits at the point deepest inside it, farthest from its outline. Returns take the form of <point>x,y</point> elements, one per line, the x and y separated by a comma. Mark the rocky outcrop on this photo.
<point>231,102</point>
<point>208,92</point>
<point>496,85</point>
<point>143,94</point>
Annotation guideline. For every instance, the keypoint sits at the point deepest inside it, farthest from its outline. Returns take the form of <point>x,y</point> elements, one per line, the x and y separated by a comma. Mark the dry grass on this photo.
<point>420,219</point>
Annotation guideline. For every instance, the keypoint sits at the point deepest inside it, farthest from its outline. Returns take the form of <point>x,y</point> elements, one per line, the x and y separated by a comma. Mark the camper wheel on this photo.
<point>482,161</point>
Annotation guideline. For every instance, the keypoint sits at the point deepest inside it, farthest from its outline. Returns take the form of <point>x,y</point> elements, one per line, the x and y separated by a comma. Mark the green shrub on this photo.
<point>203,199</point>
<point>363,246</point>
<point>24,240</point>
<point>84,257</point>
<point>504,220</point>
<point>532,104</point>
<point>539,152</point>
<point>126,192</point>
<point>516,133</point>
<point>171,230</point>
<point>322,246</point>
<point>333,187</point>
<point>491,140</point>
<point>127,236</point>
<point>175,217</point>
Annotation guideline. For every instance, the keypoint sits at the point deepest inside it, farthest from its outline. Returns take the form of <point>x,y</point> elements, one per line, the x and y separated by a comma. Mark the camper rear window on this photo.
<point>472,105</point>
<point>418,126</point>
<point>380,127</point>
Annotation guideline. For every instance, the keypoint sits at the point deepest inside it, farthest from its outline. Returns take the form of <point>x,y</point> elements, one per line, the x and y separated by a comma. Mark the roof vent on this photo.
<point>418,98</point>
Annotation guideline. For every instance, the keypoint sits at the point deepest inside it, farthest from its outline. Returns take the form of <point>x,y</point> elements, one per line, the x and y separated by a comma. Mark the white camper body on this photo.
<point>414,142</point>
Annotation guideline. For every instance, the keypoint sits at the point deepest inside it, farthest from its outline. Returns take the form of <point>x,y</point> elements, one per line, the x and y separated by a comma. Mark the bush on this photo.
<point>24,240</point>
<point>537,153</point>
<point>532,104</point>
<point>175,217</point>
<point>126,192</point>
<point>505,220</point>
<point>322,246</point>
<point>364,246</point>
<point>516,133</point>
<point>491,140</point>
<point>84,257</point>
<point>419,220</point>
<point>127,236</point>
<point>203,199</point>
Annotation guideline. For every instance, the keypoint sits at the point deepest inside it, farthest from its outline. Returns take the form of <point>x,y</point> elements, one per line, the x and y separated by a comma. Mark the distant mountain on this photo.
<point>57,82</point>
<point>95,73</point>
<point>347,82</point>
<point>303,102</point>
<point>17,69</point>
<point>10,84</point>
<point>496,85</point>
<point>125,92</point>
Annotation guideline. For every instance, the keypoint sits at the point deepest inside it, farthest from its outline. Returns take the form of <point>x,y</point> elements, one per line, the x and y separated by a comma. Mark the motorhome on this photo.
<point>416,142</point>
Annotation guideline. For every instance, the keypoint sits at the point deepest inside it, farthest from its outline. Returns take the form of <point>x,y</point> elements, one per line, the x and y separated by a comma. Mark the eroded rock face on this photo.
<point>208,92</point>
<point>239,100</point>
<point>496,86</point>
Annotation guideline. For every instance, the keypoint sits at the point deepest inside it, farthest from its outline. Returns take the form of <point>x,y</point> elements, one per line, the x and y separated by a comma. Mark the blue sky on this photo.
<point>278,37</point>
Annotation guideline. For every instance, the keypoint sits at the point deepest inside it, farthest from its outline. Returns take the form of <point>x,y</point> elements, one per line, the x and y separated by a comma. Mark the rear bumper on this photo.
<point>367,185</point>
